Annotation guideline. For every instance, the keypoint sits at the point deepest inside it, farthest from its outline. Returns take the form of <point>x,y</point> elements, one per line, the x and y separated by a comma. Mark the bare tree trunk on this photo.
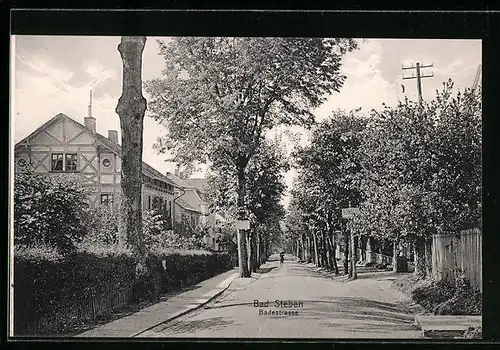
<point>309,249</point>
<point>316,257</point>
<point>428,256</point>
<point>242,234</point>
<point>326,248</point>
<point>352,249</point>
<point>346,253</point>
<point>395,255</point>
<point>249,250</point>
<point>332,242</point>
<point>419,258</point>
<point>258,250</point>
<point>131,107</point>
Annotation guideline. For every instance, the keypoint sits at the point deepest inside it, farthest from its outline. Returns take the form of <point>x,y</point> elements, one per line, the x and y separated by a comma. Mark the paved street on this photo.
<point>325,307</point>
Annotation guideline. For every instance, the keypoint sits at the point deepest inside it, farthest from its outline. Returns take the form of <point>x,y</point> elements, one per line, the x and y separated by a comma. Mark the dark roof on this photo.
<point>200,184</point>
<point>185,205</point>
<point>146,168</point>
<point>178,181</point>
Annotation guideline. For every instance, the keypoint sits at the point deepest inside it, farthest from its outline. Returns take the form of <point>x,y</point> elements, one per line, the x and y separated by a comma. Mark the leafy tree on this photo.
<point>265,184</point>
<point>421,170</point>
<point>217,96</point>
<point>329,179</point>
<point>50,210</point>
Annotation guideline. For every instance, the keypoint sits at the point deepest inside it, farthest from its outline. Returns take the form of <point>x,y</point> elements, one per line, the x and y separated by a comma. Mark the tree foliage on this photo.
<point>50,210</point>
<point>217,95</point>
<point>422,168</point>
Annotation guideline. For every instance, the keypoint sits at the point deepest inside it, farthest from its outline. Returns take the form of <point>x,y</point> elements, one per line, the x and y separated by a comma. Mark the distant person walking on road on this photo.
<point>282,258</point>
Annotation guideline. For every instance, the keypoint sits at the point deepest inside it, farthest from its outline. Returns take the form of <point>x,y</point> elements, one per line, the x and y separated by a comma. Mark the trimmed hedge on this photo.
<point>85,286</point>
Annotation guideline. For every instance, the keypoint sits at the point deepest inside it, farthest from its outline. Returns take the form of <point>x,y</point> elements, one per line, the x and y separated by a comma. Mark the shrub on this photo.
<point>474,333</point>
<point>465,301</point>
<point>50,210</point>
<point>442,297</point>
<point>430,293</point>
<point>158,237</point>
<point>103,226</point>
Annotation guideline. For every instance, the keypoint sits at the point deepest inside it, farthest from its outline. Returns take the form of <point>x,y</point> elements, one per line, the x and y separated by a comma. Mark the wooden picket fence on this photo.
<point>455,255</point>
<point>94,308</point>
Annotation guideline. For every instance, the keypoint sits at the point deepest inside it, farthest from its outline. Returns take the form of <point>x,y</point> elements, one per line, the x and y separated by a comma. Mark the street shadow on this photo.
<point>263,270</point>
<point>189,326</point>
<point>345,311</point>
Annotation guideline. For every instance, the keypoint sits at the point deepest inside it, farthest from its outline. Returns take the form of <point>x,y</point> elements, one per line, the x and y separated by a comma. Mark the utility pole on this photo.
<point>419,77</point>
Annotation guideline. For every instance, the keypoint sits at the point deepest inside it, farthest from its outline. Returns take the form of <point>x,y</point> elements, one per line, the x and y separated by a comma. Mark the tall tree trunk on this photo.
<point>321,245</point>
<point>242,234</point>
<point>131,107</point>
<point>249,250</point>
<point>326,248</point>
<point>258,250</point>
<point>353,272</point>
<point>309,249</point>
<point>303,254</point>
<point>316,257</point>
<point>346,252</point>
<point>419,258</point>
<point>428,256</point>
<point>333,243</point>
<point>395,255</point>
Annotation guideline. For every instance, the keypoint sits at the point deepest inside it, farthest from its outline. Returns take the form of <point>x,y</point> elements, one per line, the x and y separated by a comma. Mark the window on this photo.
<point>149,202</point>
<point>106,199</point>
<point>106,163</point>
<point>70,161</point>
<point>57,162</point>
<point>64,162</point>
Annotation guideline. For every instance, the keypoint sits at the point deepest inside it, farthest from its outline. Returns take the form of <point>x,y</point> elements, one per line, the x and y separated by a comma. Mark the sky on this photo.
<point>54,74</point>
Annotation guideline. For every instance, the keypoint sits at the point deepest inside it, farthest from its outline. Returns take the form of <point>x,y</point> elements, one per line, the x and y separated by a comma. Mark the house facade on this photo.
<point>64,146</point>
<point>193,197</point>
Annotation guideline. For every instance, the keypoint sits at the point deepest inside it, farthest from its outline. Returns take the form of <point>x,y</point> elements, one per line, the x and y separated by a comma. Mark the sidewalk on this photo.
<point>135,324</point>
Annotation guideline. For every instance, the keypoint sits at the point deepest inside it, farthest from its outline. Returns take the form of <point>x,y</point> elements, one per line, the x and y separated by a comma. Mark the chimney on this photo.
<point>176,172</point>
<point>90,121</point>
<point>113,136</point>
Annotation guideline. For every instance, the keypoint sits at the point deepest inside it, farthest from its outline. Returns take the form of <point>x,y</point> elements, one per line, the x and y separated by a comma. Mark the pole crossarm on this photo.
<point>418,76</point>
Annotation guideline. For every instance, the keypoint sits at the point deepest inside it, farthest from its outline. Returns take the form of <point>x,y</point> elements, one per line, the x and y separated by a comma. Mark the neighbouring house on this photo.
<point>64,146</point>
<point>215,220</point>
<point>193,201</point>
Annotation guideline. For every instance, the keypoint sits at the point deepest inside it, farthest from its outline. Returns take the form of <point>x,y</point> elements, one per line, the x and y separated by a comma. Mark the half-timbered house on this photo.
<point>64,146</point>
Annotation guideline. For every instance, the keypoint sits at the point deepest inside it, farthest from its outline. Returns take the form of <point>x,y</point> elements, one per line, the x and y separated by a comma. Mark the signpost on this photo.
<point>243,224</point>
<point>349,213</point>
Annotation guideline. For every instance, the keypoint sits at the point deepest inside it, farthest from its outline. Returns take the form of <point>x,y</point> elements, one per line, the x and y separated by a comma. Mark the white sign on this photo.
<point>243,225</point>
<point>348,213</point>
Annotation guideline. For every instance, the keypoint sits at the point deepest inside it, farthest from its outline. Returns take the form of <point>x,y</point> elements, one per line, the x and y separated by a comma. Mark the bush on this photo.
<point>103,227</point>
<point>430,293</point>
<point>465,301</point>
<point>158,237</point>
<point>50,210</point>
<point>474,333</point>
<point>442,297</point>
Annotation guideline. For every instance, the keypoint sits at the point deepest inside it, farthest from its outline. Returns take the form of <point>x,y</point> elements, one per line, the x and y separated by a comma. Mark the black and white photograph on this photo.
<point>222,187</point>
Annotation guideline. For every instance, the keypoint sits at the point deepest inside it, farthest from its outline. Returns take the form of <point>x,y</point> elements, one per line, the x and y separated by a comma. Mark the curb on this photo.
<point>192,308</point>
